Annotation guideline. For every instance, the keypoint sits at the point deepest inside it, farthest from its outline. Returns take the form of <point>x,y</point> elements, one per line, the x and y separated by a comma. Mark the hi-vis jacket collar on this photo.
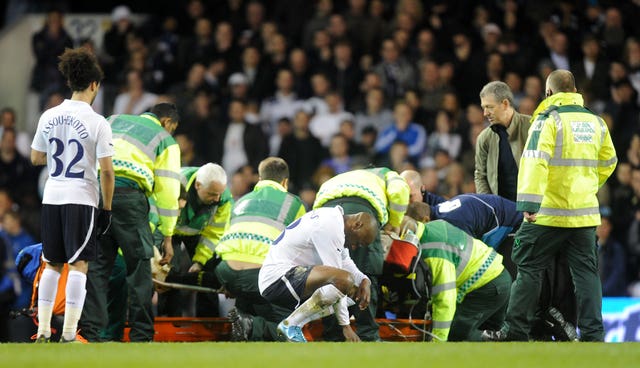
<point>558,99</point>
<point>152,117</point>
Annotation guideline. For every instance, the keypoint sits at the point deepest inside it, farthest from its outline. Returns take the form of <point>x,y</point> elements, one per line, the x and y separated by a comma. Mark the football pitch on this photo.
<point>325,355</point>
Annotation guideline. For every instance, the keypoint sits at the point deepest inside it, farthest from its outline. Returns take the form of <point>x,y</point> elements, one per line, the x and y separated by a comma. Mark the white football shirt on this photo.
<point>74,138</point>
<point>317,238</point>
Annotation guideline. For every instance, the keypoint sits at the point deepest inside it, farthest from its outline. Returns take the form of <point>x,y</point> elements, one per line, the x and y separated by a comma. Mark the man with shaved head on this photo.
<point>567,157</point>
<point>308,269</point>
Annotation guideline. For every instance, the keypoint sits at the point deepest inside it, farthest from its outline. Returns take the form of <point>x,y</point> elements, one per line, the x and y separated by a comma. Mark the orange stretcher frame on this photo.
<point>188,329</point>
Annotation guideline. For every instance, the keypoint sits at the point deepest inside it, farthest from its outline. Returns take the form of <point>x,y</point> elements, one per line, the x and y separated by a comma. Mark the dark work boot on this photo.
<point>563,330</point>
<point>241,325</point>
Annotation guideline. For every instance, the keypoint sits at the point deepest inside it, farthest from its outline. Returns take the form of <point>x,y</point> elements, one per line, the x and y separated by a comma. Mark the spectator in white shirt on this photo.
<point>324,126</point>
<point>136,99</point>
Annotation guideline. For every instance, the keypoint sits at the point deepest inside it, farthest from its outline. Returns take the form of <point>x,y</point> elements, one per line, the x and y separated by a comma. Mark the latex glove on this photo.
<point>104,222</point>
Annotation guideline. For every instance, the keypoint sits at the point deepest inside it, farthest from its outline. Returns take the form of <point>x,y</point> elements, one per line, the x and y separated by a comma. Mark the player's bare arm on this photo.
<point>38,158</point>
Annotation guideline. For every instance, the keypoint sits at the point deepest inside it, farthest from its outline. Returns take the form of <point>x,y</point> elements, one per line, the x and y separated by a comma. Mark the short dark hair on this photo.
<point>166,110</point>
<point>561,80</point>
<point>418,211</point>
<point>273,168</point>
<point>80,68</point>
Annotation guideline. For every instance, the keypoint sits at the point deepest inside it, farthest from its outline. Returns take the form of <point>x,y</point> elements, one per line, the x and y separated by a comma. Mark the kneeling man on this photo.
<point>308,269</point>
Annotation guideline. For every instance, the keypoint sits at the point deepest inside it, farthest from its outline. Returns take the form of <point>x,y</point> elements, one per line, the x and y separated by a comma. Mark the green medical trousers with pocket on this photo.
<point>117,296</point>
<point>130,231</point>
<point>482,309</point>
<point>534,249</point>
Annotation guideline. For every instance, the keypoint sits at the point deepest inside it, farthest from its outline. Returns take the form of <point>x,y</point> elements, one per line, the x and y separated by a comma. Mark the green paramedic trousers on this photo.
<point>534,249</point>
<point>243,285</point>
<point>130,231</point>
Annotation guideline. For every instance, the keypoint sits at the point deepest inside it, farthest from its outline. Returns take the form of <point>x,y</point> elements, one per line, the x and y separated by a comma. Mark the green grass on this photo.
<point>325,355</point>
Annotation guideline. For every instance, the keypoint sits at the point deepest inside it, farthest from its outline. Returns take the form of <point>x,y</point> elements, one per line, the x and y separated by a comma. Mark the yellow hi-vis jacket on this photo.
<point>567,157</point>
<point>147,157</point>
<point>459,265</point>
<point>256,220</point>
<point>384,189</point>
<point>209,222</point>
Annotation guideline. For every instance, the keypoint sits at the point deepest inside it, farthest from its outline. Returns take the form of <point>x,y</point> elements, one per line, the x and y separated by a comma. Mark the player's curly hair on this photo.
<point>79,67</point>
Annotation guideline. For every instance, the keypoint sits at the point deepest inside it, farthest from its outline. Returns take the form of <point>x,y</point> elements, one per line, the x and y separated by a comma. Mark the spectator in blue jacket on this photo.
<point>405,130</point>
<point>611,258</point>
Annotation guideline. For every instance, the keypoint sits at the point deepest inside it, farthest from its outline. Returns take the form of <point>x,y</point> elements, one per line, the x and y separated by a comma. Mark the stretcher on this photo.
<point>193,329</point>
<point>190,329</point>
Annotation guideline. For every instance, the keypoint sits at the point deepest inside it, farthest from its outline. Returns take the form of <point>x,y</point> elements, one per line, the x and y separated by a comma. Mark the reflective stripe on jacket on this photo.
<point>568,157</point>
<point>145,153</point>
<point>459,265</point>
<point>384,189</point>
<point>256,220</point>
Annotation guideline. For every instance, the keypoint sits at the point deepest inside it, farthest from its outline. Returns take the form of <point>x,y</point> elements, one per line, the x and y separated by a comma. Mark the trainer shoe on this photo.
<point>77,340</point>
<point>496,336</point>
<point>241,325</point>
<point>40,339</point>
<point>563,330</point>
<point>291,333</point>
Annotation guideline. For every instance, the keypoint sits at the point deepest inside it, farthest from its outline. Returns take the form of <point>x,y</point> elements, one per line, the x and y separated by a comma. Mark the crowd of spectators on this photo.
<point>333,85</point>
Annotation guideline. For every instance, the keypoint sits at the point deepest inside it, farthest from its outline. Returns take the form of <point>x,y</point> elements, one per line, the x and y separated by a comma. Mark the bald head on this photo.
<point>560,81</point>
<point>416,187</point>
<point>360,230</point>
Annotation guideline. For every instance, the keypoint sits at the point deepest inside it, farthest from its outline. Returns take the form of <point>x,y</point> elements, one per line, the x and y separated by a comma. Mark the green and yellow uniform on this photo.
<point>204,224</point>
<point>258,218</point>
<point>568,156</point>
<point>146,163</point>
<point>385,190</point>
<point>462,269</point>
<point>147,157</point>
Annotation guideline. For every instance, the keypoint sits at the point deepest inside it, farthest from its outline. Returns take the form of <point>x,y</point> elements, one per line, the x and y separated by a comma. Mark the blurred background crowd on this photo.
<point>333,85</point>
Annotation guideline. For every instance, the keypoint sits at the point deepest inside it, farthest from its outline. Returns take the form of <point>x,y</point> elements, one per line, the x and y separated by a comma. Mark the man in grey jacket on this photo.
<point>500,145</point>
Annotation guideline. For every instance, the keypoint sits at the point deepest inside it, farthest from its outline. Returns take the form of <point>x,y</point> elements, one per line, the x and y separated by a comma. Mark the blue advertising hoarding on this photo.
<point>621,318</point>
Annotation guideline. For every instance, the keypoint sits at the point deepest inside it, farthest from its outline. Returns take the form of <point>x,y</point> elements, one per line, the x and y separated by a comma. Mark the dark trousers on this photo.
<point>505,248</point>
<point>481,309</point>
<point>117,296</point>
<point>556,291</point>
<point>131,233</point>
<point>243,286</point>
<point>369,260</point>
<point>534,250</point>
<point>172,303</point>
